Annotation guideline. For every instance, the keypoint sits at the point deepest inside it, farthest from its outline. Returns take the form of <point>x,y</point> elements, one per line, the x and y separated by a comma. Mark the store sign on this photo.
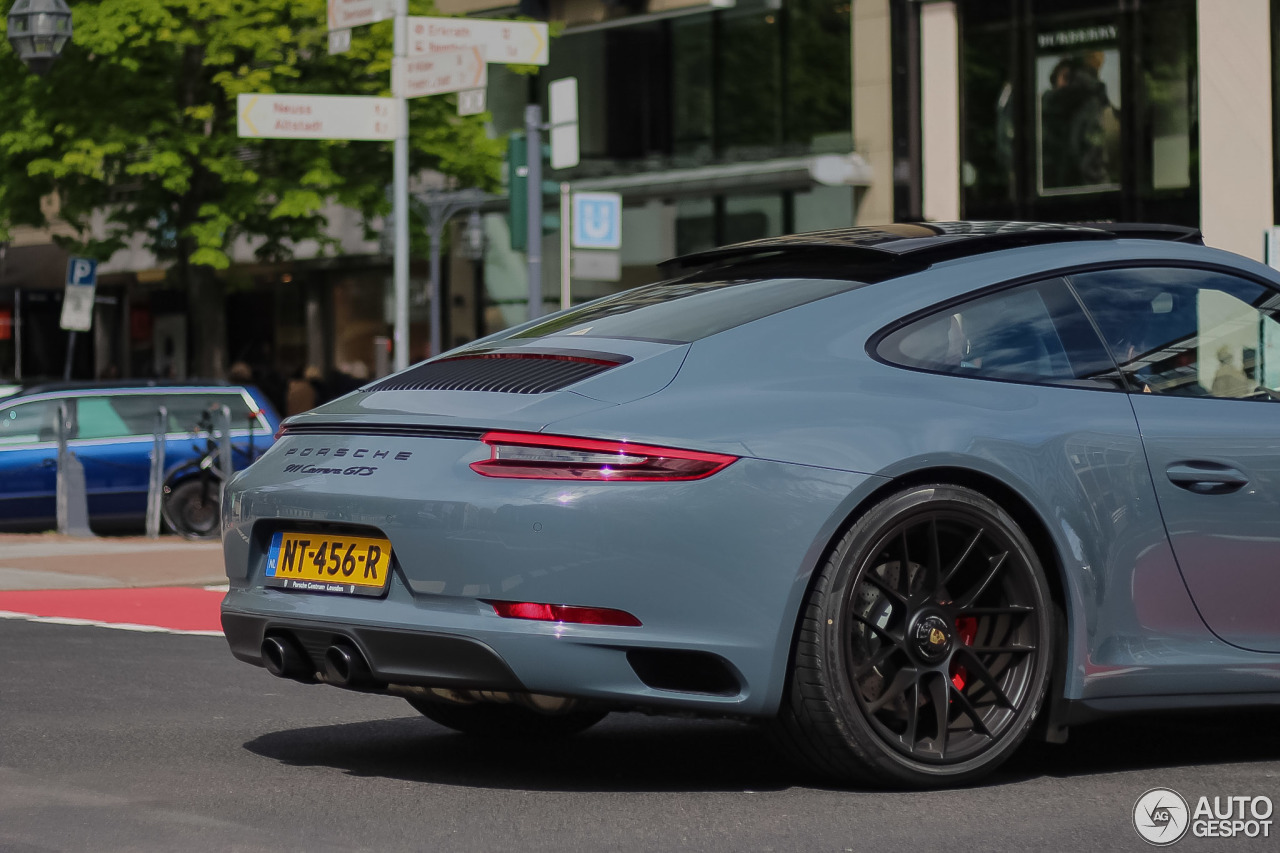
<point>1077,37</point>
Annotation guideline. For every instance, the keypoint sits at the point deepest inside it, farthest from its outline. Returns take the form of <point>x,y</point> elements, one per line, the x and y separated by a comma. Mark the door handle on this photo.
<point>1206,478</point>
<point>48,463</point>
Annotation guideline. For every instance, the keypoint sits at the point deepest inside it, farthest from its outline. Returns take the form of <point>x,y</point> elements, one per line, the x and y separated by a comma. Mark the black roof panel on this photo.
<point>926,241</point>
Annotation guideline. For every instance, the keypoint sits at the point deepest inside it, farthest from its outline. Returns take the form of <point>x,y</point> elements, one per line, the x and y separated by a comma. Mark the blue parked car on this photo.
<point>112,433</point>
<point>908,494</point>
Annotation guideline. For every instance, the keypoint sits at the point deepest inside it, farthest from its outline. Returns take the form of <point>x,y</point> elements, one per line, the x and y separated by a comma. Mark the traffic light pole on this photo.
<point>400,199</point>
<point>533,250</point>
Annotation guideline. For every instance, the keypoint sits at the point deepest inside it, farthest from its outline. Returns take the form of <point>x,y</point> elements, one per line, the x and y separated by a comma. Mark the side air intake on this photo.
<point>512,372</point>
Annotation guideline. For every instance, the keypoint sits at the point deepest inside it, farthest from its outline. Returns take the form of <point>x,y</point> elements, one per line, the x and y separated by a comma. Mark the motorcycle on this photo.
<point>192,493</point>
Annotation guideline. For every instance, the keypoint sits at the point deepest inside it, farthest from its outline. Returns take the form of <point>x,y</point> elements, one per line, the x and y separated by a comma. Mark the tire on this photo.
<point>923,652</point>
<point>191,514</point>
<point>491,720</point>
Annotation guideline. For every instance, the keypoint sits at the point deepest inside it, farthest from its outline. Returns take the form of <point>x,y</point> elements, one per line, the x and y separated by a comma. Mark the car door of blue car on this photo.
<point>114,441</point>
<point>28,462</point>
<point>1201,352</point>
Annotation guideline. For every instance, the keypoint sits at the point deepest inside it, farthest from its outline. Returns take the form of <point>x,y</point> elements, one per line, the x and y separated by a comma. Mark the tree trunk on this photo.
<point>208,322</point>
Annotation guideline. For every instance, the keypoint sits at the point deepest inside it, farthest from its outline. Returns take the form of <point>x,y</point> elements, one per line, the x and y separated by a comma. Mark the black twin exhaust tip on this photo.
<point>344,666</point>
<point>282,658</point>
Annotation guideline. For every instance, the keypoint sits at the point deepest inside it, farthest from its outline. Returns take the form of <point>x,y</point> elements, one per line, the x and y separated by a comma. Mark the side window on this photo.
<point>98,418</point>
<point>1032,333</point>
<point>185,410</point>
<point>1188,333</point>
<point>29,423</point>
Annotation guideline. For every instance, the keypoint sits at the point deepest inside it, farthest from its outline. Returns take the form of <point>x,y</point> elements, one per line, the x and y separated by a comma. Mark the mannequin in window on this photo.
<point>1230,380</point>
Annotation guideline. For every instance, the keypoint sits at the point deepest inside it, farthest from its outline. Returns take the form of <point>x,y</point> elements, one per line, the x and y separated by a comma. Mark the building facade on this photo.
<point>726,120</point>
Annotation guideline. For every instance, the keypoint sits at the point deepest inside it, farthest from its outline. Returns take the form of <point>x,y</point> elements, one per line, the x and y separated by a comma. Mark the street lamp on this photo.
<point>38,30</point>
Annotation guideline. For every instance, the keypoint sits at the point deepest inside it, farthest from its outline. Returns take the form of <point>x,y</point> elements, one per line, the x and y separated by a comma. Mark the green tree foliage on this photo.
<point>136,123</point>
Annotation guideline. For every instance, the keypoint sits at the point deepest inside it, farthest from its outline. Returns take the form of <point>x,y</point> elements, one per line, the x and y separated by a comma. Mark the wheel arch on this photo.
<point>1051,724</point>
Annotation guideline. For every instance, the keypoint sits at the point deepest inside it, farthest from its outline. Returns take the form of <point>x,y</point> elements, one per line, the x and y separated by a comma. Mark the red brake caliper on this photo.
<point>966,630</point>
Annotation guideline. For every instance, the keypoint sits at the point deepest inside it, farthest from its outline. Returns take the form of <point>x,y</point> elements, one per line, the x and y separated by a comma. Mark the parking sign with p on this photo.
<point>77,302</point>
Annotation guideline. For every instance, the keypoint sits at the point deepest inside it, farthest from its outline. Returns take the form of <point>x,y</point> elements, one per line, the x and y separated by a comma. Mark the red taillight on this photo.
<point>563,613</point>
<point>529,456</point>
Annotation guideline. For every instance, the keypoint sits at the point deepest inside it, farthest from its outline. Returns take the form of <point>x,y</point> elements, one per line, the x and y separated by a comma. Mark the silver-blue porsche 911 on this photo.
<point>909,494</point>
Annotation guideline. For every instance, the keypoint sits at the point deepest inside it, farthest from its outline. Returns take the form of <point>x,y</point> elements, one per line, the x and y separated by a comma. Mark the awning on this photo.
<point>784,173</point>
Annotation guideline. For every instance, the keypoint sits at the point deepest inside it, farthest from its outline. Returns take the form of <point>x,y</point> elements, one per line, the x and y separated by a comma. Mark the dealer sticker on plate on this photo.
<point>324,562</point>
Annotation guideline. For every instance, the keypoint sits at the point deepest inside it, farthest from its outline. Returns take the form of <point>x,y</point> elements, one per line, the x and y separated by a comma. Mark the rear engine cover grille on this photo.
<point>504,372</point>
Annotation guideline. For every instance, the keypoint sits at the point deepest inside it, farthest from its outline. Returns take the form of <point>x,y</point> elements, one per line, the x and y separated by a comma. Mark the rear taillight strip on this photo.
<point>530,456</point>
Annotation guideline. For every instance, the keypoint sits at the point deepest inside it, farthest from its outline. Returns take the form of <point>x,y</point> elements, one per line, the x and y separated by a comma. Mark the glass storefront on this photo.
<point>760,80</point>
<point>674,99</point>
<point>1079,110</point>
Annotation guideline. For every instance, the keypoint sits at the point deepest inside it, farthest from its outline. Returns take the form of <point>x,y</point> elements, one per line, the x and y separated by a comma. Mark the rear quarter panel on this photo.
<point>800,387</point>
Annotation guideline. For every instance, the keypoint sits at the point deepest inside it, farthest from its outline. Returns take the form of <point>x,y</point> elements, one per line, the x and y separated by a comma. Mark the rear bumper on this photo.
<point>715,570</point>
<point>394,656</point>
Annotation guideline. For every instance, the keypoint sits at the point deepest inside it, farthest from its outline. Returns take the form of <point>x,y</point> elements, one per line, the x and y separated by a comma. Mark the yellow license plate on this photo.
<point>324,562</point>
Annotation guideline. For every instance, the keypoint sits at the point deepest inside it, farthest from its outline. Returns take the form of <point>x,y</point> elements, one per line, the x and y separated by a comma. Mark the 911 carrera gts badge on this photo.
<point>353,471</point>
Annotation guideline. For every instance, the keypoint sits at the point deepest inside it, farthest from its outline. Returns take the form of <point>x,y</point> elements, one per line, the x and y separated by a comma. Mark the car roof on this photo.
<point>124,385</point>
<point>919,244</point>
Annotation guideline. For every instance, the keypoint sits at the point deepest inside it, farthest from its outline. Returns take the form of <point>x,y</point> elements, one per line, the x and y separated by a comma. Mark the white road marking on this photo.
<point>93,623</point>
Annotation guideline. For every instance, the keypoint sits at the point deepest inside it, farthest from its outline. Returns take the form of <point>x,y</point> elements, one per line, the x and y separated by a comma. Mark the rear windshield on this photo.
<point>682,311</point>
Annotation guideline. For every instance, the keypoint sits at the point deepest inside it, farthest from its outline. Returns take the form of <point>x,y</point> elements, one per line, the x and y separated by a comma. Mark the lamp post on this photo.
<point>38,30</point>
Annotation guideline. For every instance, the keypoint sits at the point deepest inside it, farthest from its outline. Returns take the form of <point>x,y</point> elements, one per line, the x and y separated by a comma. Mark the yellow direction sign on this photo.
<point>506,42</point>
<point>316,117</point>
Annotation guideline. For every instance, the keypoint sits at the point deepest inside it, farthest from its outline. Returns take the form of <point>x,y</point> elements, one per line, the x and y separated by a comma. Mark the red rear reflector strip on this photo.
<point>563,613</point>
<point>530,456</point>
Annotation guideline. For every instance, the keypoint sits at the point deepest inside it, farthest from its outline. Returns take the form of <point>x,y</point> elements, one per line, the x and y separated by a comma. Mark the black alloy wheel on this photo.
<point>924,647</point>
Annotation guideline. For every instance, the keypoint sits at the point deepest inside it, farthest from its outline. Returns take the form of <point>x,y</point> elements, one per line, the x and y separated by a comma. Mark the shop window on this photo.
<point>991,115</point>
<point>692,87</point>
<point>749,109</point>
<point>1079,110</point>
<point>751,217</point>
<point>818,70</point>
<point>1078,104</point>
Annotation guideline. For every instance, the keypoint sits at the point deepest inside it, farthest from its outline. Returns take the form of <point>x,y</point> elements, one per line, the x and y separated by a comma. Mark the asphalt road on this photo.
<point>115,741</point>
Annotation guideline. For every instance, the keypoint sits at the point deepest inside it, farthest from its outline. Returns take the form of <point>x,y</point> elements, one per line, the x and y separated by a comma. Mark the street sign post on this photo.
<point>438,73</point>
<point>597,221</point>
<point>597,266</point>
<point>507,42</point>
<point>271,116</point>
<point>339,41</point>
<point>563,95</point>
<point>77,303</point>
<point>344,14</point>
<point>471,102</point>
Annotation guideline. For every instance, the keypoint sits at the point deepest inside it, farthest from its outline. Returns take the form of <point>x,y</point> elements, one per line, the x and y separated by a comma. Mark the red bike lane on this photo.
<point>117,582</point>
